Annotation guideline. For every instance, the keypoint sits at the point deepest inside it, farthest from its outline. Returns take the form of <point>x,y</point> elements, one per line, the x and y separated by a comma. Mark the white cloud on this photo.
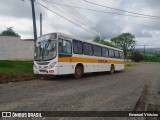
<point>17,14</point>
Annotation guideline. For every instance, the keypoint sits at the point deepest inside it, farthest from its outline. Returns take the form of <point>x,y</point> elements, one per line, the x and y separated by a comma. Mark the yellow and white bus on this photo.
<point>61,54</point>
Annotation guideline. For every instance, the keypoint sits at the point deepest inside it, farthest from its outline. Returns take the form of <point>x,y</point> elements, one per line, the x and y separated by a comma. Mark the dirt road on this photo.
<point>137,88</point>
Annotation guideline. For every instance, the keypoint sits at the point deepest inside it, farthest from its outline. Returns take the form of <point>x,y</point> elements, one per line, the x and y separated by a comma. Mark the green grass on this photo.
<point>152,59</point>
<point>16,68</point>
<point>131,64</point>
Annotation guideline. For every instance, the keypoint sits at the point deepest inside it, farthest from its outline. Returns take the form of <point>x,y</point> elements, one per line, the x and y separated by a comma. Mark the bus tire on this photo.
<point>112,69</point>
<point>78,71</point>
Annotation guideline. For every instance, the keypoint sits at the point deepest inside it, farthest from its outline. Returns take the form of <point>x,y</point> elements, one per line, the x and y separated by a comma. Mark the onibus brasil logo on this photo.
<point>21,114</point>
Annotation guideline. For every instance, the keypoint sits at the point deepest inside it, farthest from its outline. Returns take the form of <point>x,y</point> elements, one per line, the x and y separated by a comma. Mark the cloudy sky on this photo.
<point>84,23</point>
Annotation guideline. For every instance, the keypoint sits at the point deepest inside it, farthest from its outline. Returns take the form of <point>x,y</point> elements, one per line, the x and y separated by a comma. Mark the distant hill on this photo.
<point>149,50</point>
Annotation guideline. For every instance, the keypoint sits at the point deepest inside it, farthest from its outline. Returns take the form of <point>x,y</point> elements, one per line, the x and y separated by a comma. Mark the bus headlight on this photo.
<point>51,66</point>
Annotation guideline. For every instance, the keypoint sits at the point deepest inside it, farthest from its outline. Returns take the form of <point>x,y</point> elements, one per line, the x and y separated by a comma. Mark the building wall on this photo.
<point>13,48</point>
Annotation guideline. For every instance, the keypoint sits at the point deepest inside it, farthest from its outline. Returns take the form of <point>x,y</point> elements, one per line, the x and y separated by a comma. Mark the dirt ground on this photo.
<point>134,89</point>
<point>8,78</point>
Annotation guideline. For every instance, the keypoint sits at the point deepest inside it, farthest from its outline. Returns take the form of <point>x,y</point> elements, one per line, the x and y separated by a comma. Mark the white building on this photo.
<point>14,48</point>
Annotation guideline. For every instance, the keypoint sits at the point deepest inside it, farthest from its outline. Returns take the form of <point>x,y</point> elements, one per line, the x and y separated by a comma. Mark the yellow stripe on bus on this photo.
<point>89,60</point>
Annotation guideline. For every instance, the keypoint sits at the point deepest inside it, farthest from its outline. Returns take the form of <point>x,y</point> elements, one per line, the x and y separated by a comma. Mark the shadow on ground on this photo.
<point>71,77</point>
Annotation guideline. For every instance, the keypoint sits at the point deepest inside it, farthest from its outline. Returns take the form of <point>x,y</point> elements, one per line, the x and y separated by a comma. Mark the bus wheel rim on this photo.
<point>78,72</point>
<point>112,69</point>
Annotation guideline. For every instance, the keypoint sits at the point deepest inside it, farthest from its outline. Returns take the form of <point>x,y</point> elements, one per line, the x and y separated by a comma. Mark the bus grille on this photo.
<point>42,63</point>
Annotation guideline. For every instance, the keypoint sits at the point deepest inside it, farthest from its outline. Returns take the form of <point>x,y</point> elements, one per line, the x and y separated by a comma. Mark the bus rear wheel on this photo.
<point>78,71</point>
<point>112,69</point>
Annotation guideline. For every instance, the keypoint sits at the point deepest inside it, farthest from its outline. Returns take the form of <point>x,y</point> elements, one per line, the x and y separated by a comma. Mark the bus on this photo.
<point>61,54</point>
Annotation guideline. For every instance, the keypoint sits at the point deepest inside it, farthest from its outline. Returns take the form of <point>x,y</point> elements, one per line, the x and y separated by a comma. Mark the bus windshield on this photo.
<point>46,50</point>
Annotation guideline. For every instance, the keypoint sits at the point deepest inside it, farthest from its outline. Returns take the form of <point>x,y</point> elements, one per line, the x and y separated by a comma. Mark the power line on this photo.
<point>105,19</point>
<point>120,9</point>
<point>141,24</point>
<point>73,22</point>
<point>94,10</point>
<point>38,8</point>
<point>144,49</point>
<point>100,32</point>
<point>92,21</point>
<point>82,22</point>
<point>101,28</point>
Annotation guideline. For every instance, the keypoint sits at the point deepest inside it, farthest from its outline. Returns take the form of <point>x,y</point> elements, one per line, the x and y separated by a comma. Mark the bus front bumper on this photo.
<point>52,71</point>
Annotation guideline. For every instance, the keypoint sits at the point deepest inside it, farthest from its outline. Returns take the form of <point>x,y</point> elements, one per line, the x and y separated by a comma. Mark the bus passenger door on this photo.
<point>65,56</point>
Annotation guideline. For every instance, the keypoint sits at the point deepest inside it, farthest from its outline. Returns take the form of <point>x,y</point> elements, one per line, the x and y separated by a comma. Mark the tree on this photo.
<point>9,32</point>
<point>102,41</point>
<point>125,41</point>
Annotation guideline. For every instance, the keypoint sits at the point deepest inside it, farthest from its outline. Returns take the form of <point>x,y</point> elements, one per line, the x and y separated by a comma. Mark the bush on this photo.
<point>136,56</point>
<point>152,58</point>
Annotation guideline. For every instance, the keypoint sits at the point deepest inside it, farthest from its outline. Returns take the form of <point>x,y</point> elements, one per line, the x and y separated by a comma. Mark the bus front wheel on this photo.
<point>78,71</point>
<point>112,69</point>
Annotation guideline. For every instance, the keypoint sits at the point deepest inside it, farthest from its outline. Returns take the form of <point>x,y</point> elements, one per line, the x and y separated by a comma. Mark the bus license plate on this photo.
<point>42,70</point>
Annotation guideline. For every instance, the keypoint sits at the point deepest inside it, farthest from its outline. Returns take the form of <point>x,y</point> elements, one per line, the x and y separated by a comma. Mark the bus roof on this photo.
<point>76,38</point>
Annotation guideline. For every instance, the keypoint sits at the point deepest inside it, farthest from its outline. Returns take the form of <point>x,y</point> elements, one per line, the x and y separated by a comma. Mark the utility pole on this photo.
<point>126,47</point>
<point>34,21</point>
<point>40,24</point>
<point>144,50</point>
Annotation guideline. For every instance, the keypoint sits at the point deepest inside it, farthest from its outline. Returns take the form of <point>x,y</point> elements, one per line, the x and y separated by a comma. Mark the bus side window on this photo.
<point>85,49</point>
<point>103,52</point>
<point>80,47</point>
<point>60,45</point>
<point>90,47</point>
<point>107,52</point>
<point>121,55</point>
<point>68,47</point>
<point>95,50</point>
<point>77,47</point>
<point>64,46</point>
<point>116,54</point>
<point>111,53</point>
<point>99,51</point>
